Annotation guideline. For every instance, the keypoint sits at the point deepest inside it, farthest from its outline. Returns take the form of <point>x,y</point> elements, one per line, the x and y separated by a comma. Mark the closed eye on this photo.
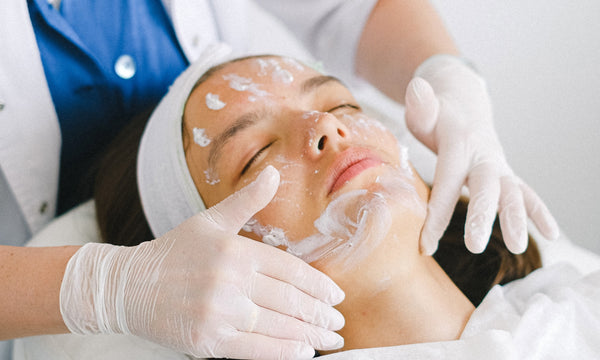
<point>254,158</point>
<point>343,106</point>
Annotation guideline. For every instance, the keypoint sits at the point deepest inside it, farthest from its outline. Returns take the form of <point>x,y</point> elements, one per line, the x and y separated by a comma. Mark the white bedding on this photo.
<point>554,313</point>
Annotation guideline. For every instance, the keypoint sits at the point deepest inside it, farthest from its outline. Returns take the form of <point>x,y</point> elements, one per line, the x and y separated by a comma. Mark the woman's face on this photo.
<point>335,162</point>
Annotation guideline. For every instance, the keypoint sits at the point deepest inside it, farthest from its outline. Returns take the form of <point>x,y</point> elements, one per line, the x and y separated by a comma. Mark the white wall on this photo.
<point>541,59</point>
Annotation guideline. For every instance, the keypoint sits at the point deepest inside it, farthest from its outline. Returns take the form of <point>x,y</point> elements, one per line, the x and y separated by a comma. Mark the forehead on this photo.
<point>245,85</point>
<point>272,71</point>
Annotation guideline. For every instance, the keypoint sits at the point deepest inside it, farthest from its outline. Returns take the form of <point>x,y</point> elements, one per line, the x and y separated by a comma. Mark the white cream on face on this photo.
<point>293,63</point>
<point>270,235</point>
<point>363,126</point>
<point>213,102</point>
<point>278,74</point>
<point>200,137</point>
<point>211,177</point>
<point>240,83</point>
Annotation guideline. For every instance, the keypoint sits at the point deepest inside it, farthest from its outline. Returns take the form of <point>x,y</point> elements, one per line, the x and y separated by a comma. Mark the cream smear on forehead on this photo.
<point>273,67</point>
<point>213,102</point>
<point>200,137</point>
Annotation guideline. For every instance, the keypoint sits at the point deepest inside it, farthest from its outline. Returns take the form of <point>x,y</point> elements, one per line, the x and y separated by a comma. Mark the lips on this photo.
<point>349,164</point>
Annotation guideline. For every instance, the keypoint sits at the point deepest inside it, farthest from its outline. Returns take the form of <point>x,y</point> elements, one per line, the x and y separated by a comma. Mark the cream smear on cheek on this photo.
<point>352,225</point>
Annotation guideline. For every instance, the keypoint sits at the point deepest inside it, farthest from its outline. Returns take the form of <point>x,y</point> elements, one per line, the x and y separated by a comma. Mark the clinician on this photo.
<point>73,72</point>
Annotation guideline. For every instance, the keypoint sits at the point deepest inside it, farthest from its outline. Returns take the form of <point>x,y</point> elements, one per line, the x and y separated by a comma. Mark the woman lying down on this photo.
<point>350,204</point>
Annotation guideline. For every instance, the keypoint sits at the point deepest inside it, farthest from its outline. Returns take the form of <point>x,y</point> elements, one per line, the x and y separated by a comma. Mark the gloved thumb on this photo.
<point>234,211</point>
<point>422,110</point>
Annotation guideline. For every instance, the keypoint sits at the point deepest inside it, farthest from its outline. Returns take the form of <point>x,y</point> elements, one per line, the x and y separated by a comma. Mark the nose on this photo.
<point>324,132</point>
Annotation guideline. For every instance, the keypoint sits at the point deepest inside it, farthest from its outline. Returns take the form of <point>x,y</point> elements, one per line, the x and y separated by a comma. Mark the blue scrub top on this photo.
<point>105,61</point>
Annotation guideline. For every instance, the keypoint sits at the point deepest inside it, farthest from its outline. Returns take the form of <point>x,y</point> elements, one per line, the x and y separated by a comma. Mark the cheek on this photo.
<point>368,130</point>
<point>293,208</point>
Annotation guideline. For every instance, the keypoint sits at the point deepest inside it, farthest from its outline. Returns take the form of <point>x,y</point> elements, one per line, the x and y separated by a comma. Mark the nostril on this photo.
<point>341,132</point>
<point>322,142</point>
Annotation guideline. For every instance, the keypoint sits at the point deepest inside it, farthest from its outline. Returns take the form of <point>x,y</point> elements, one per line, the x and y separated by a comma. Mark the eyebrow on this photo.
<point>249,119</point>
<point>314,82</point>
<point>243,122</point>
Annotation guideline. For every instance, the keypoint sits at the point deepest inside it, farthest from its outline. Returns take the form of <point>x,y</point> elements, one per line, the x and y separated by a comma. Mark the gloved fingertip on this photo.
<point>417,91</point>
<point>332,341</point>
<point>519,248</point>
<point>518,244</point>
<point>551,230</point>
<point>269,176</point>
<point>475,244</point>
<point>336,295</point>
<point>306,352</point>
<point>428,244</point>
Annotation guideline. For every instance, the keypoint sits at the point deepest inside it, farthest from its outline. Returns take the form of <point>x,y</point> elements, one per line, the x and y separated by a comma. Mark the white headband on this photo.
<point>166,188</point>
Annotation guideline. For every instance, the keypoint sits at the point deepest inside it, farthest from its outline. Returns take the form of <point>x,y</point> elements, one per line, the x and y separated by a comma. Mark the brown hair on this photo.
<point>476,274</point>
<point>119,210</point>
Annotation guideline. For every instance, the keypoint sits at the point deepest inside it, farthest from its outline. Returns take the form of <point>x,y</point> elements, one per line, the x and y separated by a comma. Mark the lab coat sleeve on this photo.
<point>330,29</point>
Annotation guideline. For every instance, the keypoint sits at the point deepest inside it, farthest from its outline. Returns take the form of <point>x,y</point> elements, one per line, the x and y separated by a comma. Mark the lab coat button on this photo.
<point>1,106</point>
<point>125,67</point>
<point>54,3</point>
<point>43,207</point>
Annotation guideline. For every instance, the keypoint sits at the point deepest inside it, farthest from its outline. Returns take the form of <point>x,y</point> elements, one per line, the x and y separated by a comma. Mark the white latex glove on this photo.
<point>449,110</point>
<point>206,291</point>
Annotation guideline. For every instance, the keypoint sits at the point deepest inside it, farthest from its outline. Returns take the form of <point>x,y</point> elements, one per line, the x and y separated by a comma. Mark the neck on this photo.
<point>421,306</point>
<point>395,299</point>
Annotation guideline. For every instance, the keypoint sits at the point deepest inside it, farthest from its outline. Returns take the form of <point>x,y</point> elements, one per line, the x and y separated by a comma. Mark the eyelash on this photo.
<point>259,152</point>
<point>253,159</point>
<point>351,106</point>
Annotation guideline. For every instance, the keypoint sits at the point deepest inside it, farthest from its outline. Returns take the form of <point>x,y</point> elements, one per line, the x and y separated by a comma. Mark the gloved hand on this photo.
<point>206,291</point>
<point>449,110</point>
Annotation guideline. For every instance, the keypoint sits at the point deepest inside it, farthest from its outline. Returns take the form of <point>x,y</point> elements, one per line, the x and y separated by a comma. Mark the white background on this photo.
<point>541,59</point>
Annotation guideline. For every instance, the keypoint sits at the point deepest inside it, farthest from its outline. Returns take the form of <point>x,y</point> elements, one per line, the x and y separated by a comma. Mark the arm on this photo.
<point>30,279</point>
<point>170,290</point>
<point>397,38</point>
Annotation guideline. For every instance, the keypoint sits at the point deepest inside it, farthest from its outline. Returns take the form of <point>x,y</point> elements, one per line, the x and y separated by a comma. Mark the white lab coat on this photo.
<point>30,136</point>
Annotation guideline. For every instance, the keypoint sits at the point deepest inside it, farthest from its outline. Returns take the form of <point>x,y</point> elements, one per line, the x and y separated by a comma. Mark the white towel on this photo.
<point>166,188</point>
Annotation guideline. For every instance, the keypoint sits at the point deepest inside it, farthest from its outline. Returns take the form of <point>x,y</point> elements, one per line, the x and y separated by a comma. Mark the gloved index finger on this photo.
<point>285,267</point>
<point>449,177</point>
<point>235,210</point>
